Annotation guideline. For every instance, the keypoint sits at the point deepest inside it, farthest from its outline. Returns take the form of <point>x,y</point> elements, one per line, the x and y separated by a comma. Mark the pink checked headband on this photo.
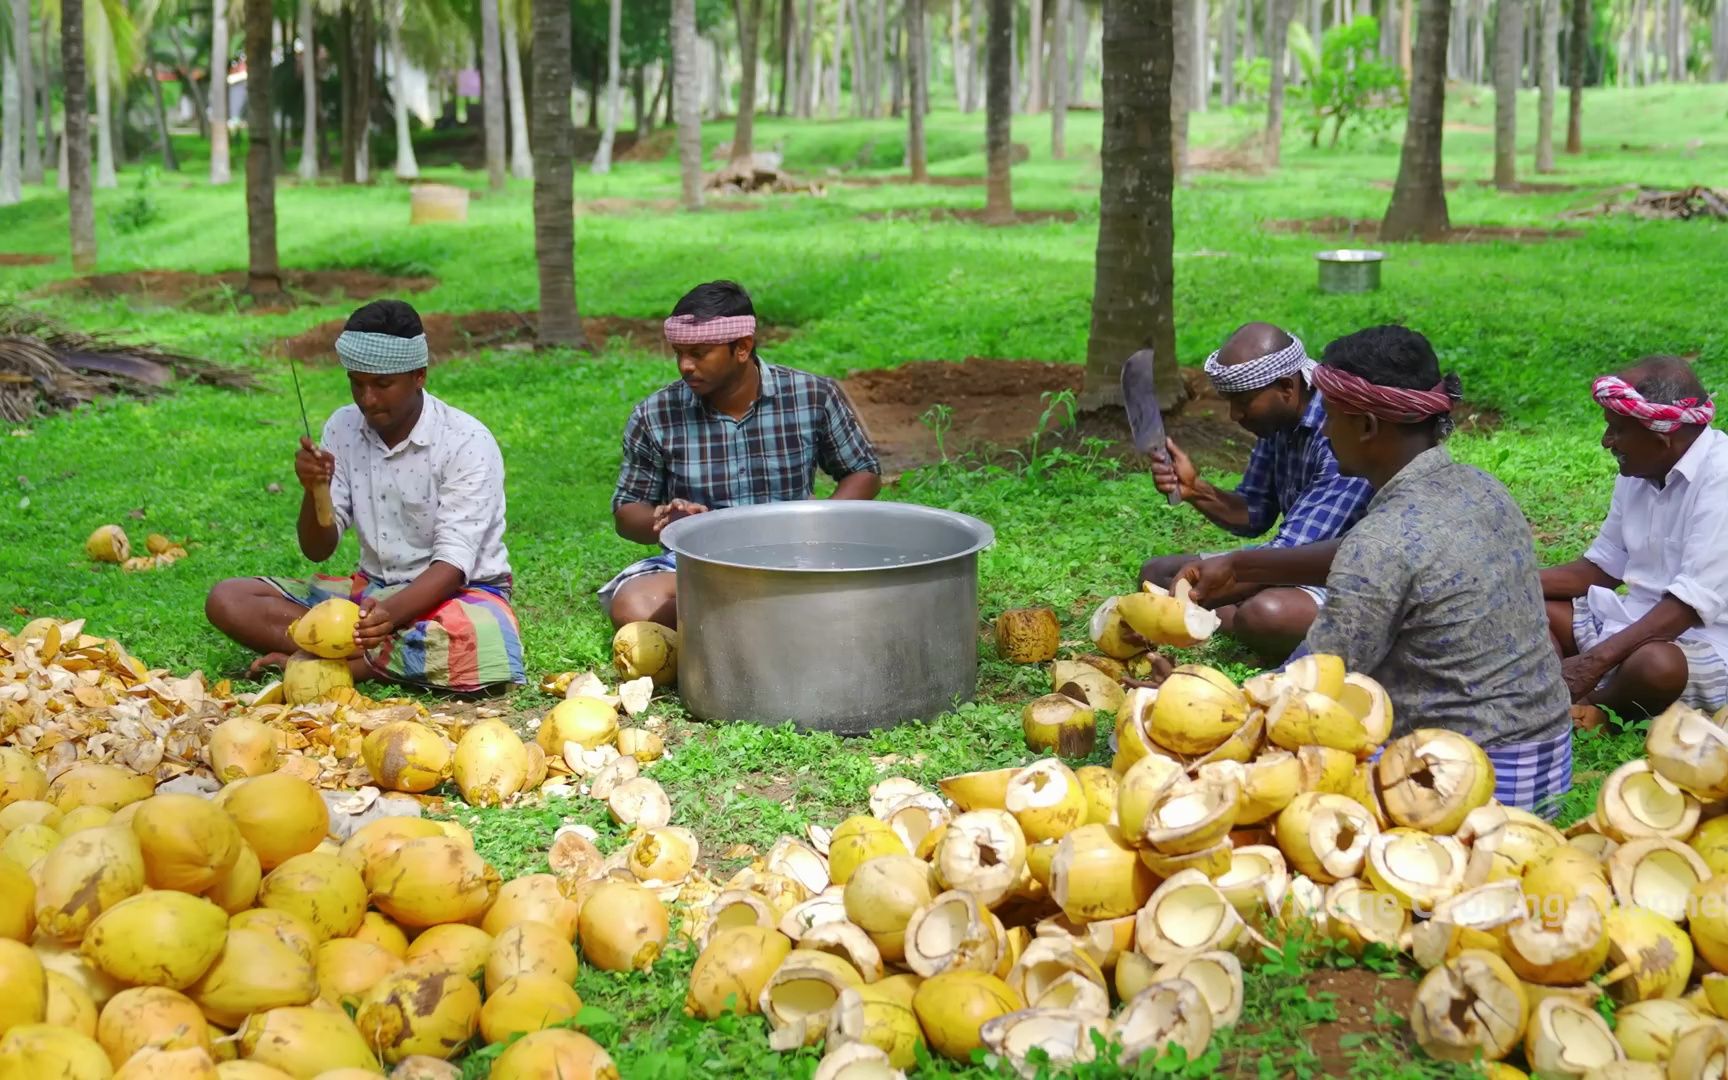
<point>1394,404</point>
<point>1617,395</point>
<point>688,330</point>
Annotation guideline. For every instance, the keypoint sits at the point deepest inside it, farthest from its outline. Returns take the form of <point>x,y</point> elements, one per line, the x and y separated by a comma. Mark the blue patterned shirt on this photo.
<point>1435,594</point>
<point>676,447</point>
<point>1293,474</point>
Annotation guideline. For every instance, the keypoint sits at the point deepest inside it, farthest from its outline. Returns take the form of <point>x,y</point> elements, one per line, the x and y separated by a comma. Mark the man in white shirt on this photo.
<point>422,485</point>
<point>1665,639</point>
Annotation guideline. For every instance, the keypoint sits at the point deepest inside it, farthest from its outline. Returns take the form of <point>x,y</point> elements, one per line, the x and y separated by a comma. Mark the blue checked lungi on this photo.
<point>1533,775</point>
<point>1706,674</point>
<point>663,563</point>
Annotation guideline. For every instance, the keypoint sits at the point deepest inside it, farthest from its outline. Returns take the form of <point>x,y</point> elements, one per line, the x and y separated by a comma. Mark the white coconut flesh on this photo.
<point>1257,876</point>
<point>1660,877</point>
<point>1421,860</point>
<point>1486,907</point>
<point>1218,977</point>
<point>1077,993</point>
<point>1582,1039</point>
<point>1062,1034</point>
<point>1546,944</point>
<point>814,912</point>
<point>641,802</point>
<point>800,997</point>
<point>798,861</point>
<point>739,908</point>
<point>1375,915</point>
<point>1039,975</point>
<point>1653,805</point>
<point>1431,777</point>
<point>846,942</point>
<point>1168,1011</point>
<point>1037,787</point>
<point>885,794</point>
<point>1469,1005</point>
<point>983,852</point>
<point>913,819</point>
<point>949,925</point>
<point>1190,917</point>
<point>1689,749</point>
<point>1340,840</point>
<point>857,1061</point>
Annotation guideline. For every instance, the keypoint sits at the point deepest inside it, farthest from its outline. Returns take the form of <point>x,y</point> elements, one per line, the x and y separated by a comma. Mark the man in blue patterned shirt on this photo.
<point>1267,377</point>
<point>732,431</point>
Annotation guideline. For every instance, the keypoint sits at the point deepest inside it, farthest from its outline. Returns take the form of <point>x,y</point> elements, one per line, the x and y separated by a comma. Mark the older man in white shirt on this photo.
<point>1665,639</point>
<point>422,485</point>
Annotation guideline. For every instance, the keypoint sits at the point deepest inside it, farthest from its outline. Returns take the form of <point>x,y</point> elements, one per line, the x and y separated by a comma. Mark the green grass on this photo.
<point>1526,325</point>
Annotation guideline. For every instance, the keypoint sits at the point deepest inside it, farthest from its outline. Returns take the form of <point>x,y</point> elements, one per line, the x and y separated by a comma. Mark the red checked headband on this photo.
<point>1352,393</point>
<point>1617,395</point>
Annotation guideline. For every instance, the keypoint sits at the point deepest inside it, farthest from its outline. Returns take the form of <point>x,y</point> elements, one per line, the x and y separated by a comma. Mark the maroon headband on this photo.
<point>1352,393</point>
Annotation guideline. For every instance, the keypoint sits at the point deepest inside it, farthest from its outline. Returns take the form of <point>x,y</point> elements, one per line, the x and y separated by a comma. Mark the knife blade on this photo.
<point>322,505</point>
<point>1140,402</point>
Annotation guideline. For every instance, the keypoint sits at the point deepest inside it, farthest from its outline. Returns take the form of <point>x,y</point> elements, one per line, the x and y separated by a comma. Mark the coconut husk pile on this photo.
<point>760,177</point>
<point>1656,204</point>
<point>46,368</point>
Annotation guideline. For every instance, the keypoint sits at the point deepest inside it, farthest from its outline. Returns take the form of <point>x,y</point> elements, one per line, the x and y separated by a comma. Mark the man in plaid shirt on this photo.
<point>1266,376</point>
<point>732,431</point>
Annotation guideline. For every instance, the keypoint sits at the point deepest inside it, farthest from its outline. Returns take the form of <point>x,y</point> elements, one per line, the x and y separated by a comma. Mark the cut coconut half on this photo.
<point>1432,778</point>
<point>1210,861</point>
<point>1690,750</point>
<point>1044,961</point>
<point>663,856</point>
<point>1309,718</point>
<point>1557,948</point>
<point>1636,802</point>
<point>1648,1030</point>
<point>1565,1039</point>
<point>1361,916</point>
<point>827,907</point>
<point>1369,703</point>
<point>738,908</point>
<point>1140,788</point>
<point>1656,874</point>
<point>1197,710</point>
<point>1326,769</point>
<point>1218,977</point>
<point>849,943</point>
<point>1103,942</point>
<point>1064,1035</point>
<point>1081,682</point>
<point>1323,673</point>
<point>857,1061</point>
<point>1418,869</point>
<point>1466,920</point>
<point>1242,745</point>
<point>800,996</point>
<point>782,893</point>
<point>1112,634</point>
<point>1095,875</point>
<point>1469,1007</point>
<point>612,775</point>
<point>1256,880</point>
<point>954,932</point>
<point>1267,687</point>
<point>1168,618</point>
<point>1701,1053</point>
<point>1269,782</point>
<point>913,819</point>
<point>1076,992</point>
<point>799,861</point>
<point>1324,836</point>
<point>641,802</point>
<point>1648,956</point>
<point>984,853</point>
<point>1186,915</point>
<point>1595,845</point>
<point>1168,1011</point>
<point>1190,815</point>
<point>1047,799</point>
<point>876,1016</point>
<point>885,794</point>
<point>573,855</point>
<point>986,790</point>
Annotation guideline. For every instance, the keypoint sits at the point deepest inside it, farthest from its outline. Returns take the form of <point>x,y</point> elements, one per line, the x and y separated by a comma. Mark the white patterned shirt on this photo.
<point>438,495</point>
<point>1666,540</point>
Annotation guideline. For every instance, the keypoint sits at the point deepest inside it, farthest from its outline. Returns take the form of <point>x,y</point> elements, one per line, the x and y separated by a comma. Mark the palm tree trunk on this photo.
<point>521,156</point>
<point>1059,80</point>
<point>917,96</point>
<point>749,13</point>
<point>80,202</point>
<point>219,164</point>
<point>309,94</point>
<point>1181,83</point>
<point>999,113</point>
<point>1718,43</point>
<point>1548,78</point>
<point>1202,56</point>
<point>603,153</point>
<point>956,49</point>
<point>1227,52</point>
<point>170,163</point>
<point>104,69</point>
<point>559,323</point>
<point>1676,48</point>
<point>1636,52</point>
<point>977,89</point>
<point>1250,33</point>
<point>1418,206</point>
<point>365,73</point>
<point>11,130</point>
<point>407,168</point>
<point>897,49</point>
<point>808,61</point>
<point>189,79</point>
<point>1132,300</point>
<point>839,59</point>
<point>1580,50</point>
<point>1275,57</point>
<point>492,92</point>
<point>1405,17</point>
<point>788,29</point>
<point>31,162</point>
<point>1508,38</point>
<point>860,64</point>
<point>263,273</point>
<point>687,100</point>
<point>1035,58</point>
<point>1082,43</point>
<point>879,58</point>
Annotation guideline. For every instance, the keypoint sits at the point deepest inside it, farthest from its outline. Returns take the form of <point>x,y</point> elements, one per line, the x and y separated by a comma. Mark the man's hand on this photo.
<point>375,626</point>
<point>1160,667</point>
<point>313,466</point>
<point>667,513</point>
<point>1175,474</point>
<point>1583,673</point>
<point>1209,578</point>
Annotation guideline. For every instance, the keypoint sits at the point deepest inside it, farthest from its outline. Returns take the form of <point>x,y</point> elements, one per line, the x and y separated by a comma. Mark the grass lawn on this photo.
<point>1526,325</point>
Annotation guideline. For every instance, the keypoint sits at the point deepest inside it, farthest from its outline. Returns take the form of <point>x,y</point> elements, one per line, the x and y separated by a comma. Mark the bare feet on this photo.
<point>1588,717</point>
<point>267,662</point>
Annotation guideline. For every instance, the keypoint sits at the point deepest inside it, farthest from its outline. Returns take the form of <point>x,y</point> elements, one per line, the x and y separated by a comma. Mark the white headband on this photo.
<point>1255,374</point>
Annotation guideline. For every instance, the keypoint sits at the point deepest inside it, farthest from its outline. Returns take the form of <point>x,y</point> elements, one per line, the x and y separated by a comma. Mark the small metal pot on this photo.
<point>1349,271</point>
<point>837,616</point>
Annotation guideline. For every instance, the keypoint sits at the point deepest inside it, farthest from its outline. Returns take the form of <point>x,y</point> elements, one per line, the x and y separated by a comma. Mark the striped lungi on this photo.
<point>663,563</point>
<point>467,643</point>
<point>1706,673</point>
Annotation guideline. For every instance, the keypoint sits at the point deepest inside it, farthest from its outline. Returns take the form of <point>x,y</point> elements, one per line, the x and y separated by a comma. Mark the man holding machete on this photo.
<point>1267,377</point>
<point>422,484</point>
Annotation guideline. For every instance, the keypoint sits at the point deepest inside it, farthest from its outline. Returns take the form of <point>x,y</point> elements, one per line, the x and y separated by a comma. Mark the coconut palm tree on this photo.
<point>1508,41</point>
<point>1059,80</point>
<point>1418,206</point>
<point>491,90</point>
<point>521,157</point>
<point>220,172</point>
<point>999,112</point>
<point>614,39</point>
<point>407,168</point>
<point>263,272</point>
<point>687,100</point>
<point>1580,51</point>
<point>1547,81</point>
<point>309,91</point>
<point>108,31</point>
<point>1132,304</point>
<point>31,161</point>
<point>1182,81</point>
<point>11,108</point>
<point>79,198</point>
<point>918,76</point>
<point>559,322</point>
<point>749,14</point>
<point>1278,13</point>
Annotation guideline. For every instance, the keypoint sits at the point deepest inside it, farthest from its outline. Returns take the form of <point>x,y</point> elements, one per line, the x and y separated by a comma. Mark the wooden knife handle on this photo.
<point>326,510</point>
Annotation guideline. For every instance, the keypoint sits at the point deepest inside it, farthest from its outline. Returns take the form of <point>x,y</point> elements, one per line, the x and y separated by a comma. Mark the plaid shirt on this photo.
<point>676,447</point>
<point>1293,473</point>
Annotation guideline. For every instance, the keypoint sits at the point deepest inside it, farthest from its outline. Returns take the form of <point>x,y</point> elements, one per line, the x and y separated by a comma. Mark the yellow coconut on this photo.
<point>526,1003</point>
<point>84,817</point>
<point>1648,956</point>
<point>241,747</point>
<point>491,764</point>
<point>1469,1008</point>
<point>420,1067</point>
<point>432,880</point>
<point>732,970</point>
<point>305,1041</point>
<point>1637,801</point>
<point>1710,841</point>
<point>378,929</point>
<point>568,1055</point>
<point>157,938</point>
<point>108,544</point>
<point>1086,684</point>
<point>150,1016</point>
<point>327,629</point>
<point>1555,877</point>
<point>280,816</point>
<point>1027,635</point>
<point>348,967</point>
<point>856,841</point>
<point>26,983</point>
<point>882,897</point>
<point>1197,709</point>
<point>419,1010</point>
<point>662,856</point>
<point>285,926</point>
<point>1325,836</point>
<point>30,812</point>
<point>1057,723</point>
<point>983,852</point>
<point>986,790</point>
<point>188,843</point>
<point>1167,618</point>
<point>255,971</point>
<point>646,649</point>
<point>374,840</point>
<point>85,876</point>
<point>1557,948</point>
<point>28,845</point>
<point>623,927</point>
<point>877,1017</point>
<point>1097,876</point>
<point>1432,778</point>
<point>68,961</point>
<point>952,1009</point>
<point>406,756</point>
<point>69,1005</point>
<point>237,889</point>
<point>32,1051</point>
<point>530,948</point>
<point>455,947</point>
<point>21,778</point>
<point>586,721</point>
<point>17,901</point>
<point>536,898</point>
<point>96,784</point>
<point>308,679</point>
<point>1047,799</point>
<point>324,890</point>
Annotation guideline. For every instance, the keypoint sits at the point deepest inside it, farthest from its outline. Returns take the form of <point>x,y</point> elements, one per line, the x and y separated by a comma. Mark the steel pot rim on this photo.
<point>983,536</point>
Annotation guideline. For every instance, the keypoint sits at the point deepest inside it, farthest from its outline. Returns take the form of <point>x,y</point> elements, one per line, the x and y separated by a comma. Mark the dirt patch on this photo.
<point>1359,996</point>
<point>8,258</point>
<point>631,206</point>
<point>656,147</point>
<point>227,291</point>
<point>1362,229</point>
<point>1021,217</point>
<point>931,181</point>
<point>452,335</point>
<point>1388,185</point>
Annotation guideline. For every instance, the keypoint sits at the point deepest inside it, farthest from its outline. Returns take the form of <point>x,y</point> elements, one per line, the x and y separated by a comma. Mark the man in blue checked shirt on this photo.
<point>732,431</point>
<point>1267,377</point>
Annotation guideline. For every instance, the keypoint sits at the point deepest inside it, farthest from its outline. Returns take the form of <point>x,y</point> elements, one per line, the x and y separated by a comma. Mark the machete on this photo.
<point>1140,401</point>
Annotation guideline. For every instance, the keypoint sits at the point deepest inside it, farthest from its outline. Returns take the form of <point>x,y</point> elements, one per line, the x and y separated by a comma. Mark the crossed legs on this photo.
<point>1271,623</point>
<point>648,598</point>
<point>255,615</point>
<point>1646,683</point>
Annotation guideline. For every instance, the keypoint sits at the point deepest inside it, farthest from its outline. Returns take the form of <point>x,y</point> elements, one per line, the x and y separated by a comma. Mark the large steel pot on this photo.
<point>1350,271</point>
<point>836,615</point>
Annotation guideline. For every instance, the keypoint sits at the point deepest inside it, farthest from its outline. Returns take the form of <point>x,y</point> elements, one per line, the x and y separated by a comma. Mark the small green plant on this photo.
<point>1346,81</point>
<point>139,211</point>
<point>939,419</point>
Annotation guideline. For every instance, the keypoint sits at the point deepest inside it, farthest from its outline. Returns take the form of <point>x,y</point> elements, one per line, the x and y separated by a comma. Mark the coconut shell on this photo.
<point>305,1041</point>
<point>406,756</point>
<point>85,876</point>
<point>188,843</point>
<point>157,938</point>
<point>97,784</point>
<point>432,880</point>
<point>453,947</point>
<point>327,629</point>
<point>1028,635</point>
<point>324,890</point>
<point>491,764</point>
<point>279,815</point>
<point>43,1050</point>
<point>733,969</point>
<point>527,1003</point>
<point>554,1052</point>
<point>953,1008</point>
<point>241,747</point>
<point>26,983</point>
<point>150,1016</point>
<point>347,968</point>
<point>646,649</point>
<point>253,973</point>
<point>419,1010</point>
<point>530,948</point>
<point>532,898</point>
<point>623,927</point>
